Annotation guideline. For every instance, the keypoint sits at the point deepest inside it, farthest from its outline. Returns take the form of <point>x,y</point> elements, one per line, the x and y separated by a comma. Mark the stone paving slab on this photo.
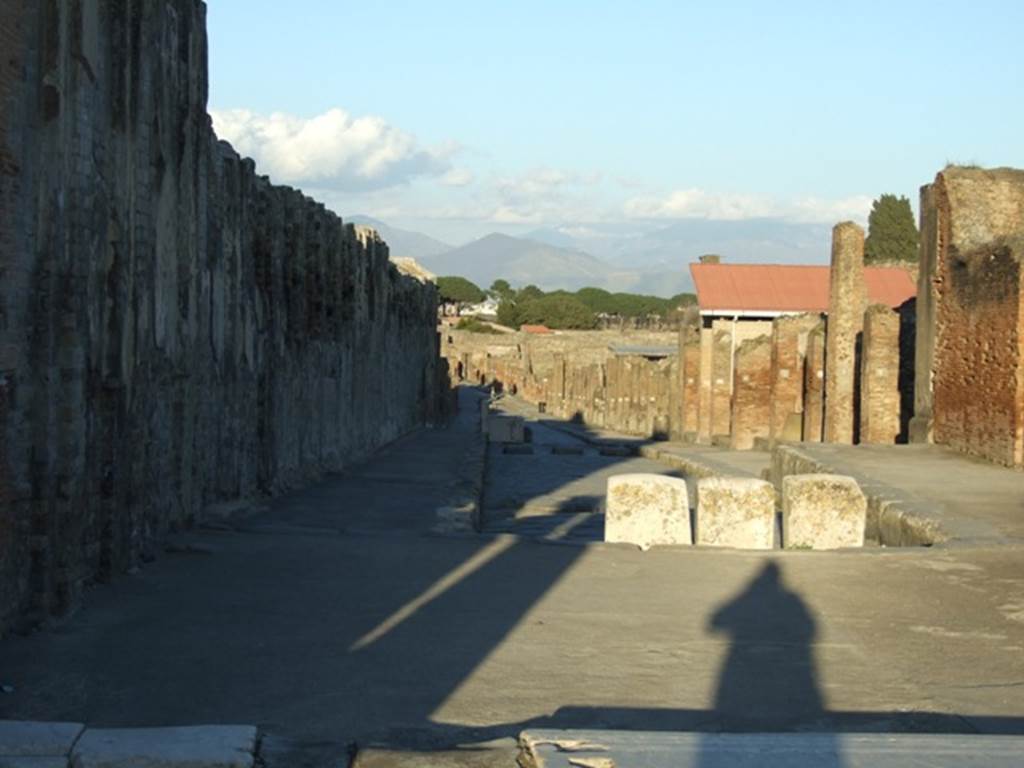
<point>202,746</point>
<point>22,738</point>
<point>638,749</point>
<point>33,762</point>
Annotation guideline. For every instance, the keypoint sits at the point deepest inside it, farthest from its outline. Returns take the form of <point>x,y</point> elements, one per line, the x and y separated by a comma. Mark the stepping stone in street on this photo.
<point>822,512</point>
<point>647,509</point>
<point>735,512</point>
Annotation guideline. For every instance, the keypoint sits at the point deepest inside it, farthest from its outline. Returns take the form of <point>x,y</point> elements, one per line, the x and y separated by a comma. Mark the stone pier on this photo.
<point>845,318</point>
<point>814,384</point>
<point>788,347</point>
<point>751,401</point>
<point>924,346</point>
<point>880,369</point>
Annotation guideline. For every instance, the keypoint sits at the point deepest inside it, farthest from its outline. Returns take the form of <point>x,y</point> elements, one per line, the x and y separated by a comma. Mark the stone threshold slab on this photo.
<point>640,749</point>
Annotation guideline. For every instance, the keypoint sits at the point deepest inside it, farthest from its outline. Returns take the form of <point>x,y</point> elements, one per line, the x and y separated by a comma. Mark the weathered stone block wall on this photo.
<point>920,428</point>
<point>689,374</point>
<point>978,367</point>
<point>880,369</point>
<point>176,331</point>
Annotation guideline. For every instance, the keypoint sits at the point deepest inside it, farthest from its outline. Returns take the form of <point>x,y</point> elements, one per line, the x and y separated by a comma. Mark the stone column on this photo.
<point>879,388</point>
<point>814,384</point>
<point>788,346</point>
<point>845,317</point>
<point>751,398</point>
<point>924,345</point>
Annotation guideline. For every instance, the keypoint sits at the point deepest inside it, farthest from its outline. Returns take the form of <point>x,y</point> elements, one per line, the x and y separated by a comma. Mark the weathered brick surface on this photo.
<point>814,384</point>
<point>751,400</point>
<point>690,379</point>
<point>978,380</point>
<point>880,369</point>
<point>845,316</point>
<point>176,330</point>
<point>721,381</point>
<point>788,347</point>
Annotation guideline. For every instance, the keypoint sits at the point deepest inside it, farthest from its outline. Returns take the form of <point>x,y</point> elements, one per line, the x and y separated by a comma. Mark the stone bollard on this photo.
<point>822,512</point>
<point>735,512</point>
<point>506,429</point>
<point>645,510</point>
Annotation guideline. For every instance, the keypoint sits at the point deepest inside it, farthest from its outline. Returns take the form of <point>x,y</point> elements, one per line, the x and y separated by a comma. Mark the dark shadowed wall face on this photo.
<point>177,331</point>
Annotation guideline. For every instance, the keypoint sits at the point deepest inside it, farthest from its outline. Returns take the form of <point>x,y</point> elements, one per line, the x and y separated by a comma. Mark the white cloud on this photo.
<point>334,150</point>
<point>699,203</point>
<point>458,177</point>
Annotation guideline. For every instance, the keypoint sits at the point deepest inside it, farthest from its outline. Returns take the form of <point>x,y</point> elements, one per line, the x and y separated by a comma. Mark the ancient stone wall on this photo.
<point>576,375</point>
<point>176,330</point>
<point>920,428</point>
<point>814,384</point>
<point>978,365</point>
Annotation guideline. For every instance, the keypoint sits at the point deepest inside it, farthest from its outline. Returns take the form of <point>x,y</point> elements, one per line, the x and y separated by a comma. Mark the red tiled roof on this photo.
<point>788,288</point>
<point>540,329</point>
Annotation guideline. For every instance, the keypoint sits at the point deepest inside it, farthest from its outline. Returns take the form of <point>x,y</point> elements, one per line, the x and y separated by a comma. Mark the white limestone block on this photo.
<point>735,512</point>
<point>822,512</point>
<point>645,510</point>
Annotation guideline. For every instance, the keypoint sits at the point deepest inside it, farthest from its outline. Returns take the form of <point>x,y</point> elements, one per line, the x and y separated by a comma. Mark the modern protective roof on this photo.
<point>636,350</point>
<point>779,288</point>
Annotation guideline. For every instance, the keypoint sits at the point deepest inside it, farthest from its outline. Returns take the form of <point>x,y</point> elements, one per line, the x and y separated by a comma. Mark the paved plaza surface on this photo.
<point>338,615</point>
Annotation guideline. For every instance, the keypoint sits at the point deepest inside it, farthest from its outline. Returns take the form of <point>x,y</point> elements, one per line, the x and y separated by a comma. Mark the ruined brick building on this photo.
<point>932,352</point>
<point>175,330</point>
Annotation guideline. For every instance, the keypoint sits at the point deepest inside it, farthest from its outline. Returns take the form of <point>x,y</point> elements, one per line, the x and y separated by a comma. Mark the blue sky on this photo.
<point>460,118</point>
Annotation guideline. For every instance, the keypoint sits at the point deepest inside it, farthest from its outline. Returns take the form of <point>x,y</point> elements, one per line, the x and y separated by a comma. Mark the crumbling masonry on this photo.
<point>175,331</point>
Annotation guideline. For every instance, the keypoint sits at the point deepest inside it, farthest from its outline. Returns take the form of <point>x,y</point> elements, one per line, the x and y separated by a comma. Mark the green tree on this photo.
<point>892,235</point>
<point>501,290</point>
<point>459,290</point>
<point>529,293</point>
<point>556,311</point>
<point>508,313</point>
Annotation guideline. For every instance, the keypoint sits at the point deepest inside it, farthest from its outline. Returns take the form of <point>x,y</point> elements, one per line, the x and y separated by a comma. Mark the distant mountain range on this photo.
<point>651,258</point>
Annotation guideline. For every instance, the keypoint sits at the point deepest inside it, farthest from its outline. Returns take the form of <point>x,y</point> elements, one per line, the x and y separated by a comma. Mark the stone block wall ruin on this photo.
<point>975,337</point>
<point>953,356</point>
<point>175,330</point>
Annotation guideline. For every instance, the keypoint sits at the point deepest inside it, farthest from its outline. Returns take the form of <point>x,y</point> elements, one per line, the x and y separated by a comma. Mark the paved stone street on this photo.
<point>338,615</point>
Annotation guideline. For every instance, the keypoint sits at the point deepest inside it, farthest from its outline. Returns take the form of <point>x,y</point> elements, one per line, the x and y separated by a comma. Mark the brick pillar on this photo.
<point>704,402</point>
<point>788,346</point>
<point>845,318</point>
<point>879,388</point>
<point>751,397</point>
<point>721,383</point>
<point>814,384</point>
<point>690,375</point>
<point>924,343</point>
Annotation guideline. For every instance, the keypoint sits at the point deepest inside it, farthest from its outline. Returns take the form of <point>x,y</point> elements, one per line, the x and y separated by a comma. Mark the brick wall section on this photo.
<point>879,389</point>
<point>978,382</point>
<point>181,331</point>
<point>920,428</point>
<point>788,346</point>
<point>751,399</point>
<point>814,385</point>
<point>845,318</point>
